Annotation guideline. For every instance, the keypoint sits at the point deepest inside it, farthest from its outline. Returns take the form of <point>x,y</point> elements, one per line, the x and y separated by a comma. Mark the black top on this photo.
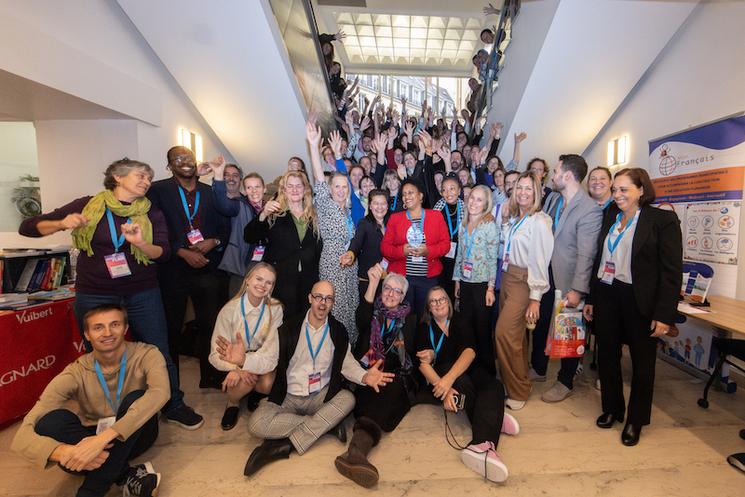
<point>164,195</point>
<point>459,339</point>
<point>366,245</point>
<point>656,261</point>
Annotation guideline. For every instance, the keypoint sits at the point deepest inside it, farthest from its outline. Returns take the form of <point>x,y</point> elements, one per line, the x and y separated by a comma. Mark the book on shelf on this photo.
<point>26,275</point>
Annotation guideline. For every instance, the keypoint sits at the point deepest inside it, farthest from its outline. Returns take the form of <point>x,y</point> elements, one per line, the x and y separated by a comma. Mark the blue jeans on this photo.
<point>147,323</point>
<point>416,296</point>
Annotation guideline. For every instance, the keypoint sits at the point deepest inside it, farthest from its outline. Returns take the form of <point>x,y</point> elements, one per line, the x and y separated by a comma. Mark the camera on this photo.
<point>459,399</point>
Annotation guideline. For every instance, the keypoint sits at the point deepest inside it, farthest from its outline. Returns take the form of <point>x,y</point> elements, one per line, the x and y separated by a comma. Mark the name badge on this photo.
<point>418,258</point>
<point>609,273</point>
<point>384,264</point>
<point>104,424</point>
<point>194,236</point>
<point>467,269</point>
<point>451,252</point>
<point>314,382</point>
<point>117,265</point>
<point>258,254</point>
<point>506,262</point>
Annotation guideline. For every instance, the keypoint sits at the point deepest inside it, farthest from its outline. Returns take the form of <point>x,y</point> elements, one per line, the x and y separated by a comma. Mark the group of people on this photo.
<point>378,286</point>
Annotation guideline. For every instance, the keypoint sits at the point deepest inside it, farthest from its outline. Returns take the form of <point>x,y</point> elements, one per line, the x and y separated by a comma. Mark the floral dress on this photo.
<point>337,230</point>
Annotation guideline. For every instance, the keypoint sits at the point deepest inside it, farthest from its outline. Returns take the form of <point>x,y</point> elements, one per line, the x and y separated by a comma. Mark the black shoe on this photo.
<point>339,431</point>
<point>742,434</point>
<point>737,461</point>
<point>606,420</point>
<point>630,434</point>
<point>141,481</point>
<point>230,417</point>
<point>268,451</point>
<point>252,400</point>
<point>185,417</point>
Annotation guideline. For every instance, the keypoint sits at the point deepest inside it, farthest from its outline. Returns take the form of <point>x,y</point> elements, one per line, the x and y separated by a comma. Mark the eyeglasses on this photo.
<point>439,301</point>
<point>326,299</point>
<point>395,291</point>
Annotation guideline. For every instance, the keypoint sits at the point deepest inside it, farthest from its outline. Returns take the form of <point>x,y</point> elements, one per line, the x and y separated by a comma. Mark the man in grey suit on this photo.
<point>576,224</point>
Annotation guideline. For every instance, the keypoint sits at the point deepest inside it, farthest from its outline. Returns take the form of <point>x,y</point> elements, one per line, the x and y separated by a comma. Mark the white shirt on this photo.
<point>531,249</point>
<point>622,254</point>
<point>301,362</point>
<point>230,321</point>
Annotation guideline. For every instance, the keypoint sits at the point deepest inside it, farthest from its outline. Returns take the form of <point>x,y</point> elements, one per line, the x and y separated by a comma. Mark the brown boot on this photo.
<point>353,463</point>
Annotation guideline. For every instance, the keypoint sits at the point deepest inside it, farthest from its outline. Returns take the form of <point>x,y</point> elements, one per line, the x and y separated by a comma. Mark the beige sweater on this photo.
<point>146,370</point>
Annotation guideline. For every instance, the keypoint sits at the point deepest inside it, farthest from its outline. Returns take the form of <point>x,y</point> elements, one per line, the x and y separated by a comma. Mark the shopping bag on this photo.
<point>567,334</point>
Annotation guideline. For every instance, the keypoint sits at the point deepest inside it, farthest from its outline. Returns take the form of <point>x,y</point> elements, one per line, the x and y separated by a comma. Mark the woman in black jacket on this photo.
<point>286,233</point>
<point>635,287</point>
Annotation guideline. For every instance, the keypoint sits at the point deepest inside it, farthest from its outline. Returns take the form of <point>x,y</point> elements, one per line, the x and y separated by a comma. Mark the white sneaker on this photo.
<point>510,426</point>
<point>483,459</point>
<point>515,405</point>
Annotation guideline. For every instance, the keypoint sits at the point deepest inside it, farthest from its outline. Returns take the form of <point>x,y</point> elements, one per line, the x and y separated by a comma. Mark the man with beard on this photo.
<point>198,234</point>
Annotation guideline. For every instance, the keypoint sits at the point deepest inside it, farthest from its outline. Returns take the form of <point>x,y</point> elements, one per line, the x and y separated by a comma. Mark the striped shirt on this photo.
<point>417,267</point>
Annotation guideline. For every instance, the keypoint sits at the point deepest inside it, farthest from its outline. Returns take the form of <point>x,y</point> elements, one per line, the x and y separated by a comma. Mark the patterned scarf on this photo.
<point>95,209</point>
<point>379,344</point>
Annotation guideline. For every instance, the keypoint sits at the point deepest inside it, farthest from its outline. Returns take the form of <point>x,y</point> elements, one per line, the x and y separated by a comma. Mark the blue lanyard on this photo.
<point>412,221</point>
<point>118,241</point>
<point>557,213</point>
<point>395,202</point>
<point>450,223</point>
<point>432,339</point>
<point>245,321</point>
<point>119,385</point>
<point>607,203</point>
<point>383,331</point>
<point>468,241</point>
<point>613,245</point>
<point>189,216</point>
<point>512,232</point>
<point>350,226</point>
<point>313,354</point>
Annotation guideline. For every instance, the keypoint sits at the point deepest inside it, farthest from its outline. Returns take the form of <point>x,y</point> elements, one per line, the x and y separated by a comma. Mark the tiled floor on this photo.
<point>559,452</point>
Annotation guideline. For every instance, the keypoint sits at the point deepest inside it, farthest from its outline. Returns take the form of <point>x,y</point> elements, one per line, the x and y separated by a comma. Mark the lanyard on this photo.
<point>557,214</point>
<point>450,223</point>
<point>395,202</point>
<point>120,383</point>
<point>412,221</point>
<point>607,203</point>
<point>512,232</point>
<point>383,331</point>
<point>350,226</point>
<point>468,241</point>
<point>613,245</point>
<point>313,354</point>
<point>245,322</point>
<point>432,339</point>
<point>118,241</point>
<point>189,216</point>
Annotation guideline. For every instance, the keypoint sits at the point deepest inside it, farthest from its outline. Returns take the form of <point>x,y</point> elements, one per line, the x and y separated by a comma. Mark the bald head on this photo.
<point>321,300</point>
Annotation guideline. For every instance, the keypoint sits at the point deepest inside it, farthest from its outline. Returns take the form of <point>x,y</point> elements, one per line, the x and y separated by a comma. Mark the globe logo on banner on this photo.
<point>667,161</point>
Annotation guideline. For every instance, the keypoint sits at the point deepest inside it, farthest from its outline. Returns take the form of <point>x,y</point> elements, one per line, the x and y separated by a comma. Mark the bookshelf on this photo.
<point>32,270</point>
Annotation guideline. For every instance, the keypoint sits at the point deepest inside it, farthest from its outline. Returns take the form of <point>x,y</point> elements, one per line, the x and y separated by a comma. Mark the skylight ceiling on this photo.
<point>404,39</point>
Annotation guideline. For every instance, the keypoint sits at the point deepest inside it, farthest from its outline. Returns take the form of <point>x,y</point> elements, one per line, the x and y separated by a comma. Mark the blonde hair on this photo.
<point>268,299</point>
<point>309,212</point>
<point>514,210</point>
<point>486,216</point>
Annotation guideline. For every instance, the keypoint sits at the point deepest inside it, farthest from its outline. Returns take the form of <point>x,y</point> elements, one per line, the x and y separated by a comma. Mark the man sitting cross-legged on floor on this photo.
<point>307,398</point>
<point>119,389</point>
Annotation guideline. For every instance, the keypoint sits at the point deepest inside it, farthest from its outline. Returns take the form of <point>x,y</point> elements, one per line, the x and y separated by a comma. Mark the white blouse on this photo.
<point>622,254</point>
<point>531,248</point>
<point>230,321</point>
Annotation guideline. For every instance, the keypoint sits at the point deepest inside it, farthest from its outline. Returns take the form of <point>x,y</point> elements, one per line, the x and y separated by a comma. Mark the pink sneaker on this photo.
<point>485,461</point>
<point>510,426</point>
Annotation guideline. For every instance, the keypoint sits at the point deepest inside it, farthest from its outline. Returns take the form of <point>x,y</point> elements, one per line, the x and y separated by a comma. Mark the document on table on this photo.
<point>687,308</point>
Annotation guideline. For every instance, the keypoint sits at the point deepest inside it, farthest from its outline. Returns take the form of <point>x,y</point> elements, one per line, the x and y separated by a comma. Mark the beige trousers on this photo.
<point>512,342</point>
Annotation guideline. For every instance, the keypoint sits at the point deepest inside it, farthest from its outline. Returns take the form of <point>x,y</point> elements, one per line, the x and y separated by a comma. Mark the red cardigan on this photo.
<point>435,231</point>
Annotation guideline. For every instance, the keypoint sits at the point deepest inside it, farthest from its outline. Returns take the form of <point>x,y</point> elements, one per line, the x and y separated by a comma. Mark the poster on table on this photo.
<point>699,173</point>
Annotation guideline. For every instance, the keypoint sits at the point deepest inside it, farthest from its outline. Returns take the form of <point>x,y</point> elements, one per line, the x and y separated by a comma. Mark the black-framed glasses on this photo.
<point>318,298</point>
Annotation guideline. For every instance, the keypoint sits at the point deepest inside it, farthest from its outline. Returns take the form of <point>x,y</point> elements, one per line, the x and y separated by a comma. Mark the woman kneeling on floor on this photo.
<point>251,316</point>
<point>446,351</point>
<point>387,327</point>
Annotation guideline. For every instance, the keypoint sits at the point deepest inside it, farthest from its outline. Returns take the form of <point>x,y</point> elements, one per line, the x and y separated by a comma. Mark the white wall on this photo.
<point>90,49</point>
<point>699,77</point>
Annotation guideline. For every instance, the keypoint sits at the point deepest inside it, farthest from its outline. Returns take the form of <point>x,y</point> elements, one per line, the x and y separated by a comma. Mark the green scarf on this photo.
<point>95,209</point>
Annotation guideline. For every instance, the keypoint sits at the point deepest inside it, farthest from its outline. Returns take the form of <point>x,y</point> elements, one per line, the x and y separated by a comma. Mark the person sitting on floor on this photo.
<point>307,398</point>
<point>250,316</point>
<point>119,389</point>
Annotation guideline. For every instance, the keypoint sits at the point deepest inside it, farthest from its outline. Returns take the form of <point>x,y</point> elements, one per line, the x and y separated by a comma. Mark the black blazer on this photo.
<point>366,245</point>
<point>656,261</point>
<point>284,250</point>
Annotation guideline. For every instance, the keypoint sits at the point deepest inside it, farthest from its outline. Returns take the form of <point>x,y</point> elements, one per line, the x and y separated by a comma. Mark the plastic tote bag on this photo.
<point>567,334</point>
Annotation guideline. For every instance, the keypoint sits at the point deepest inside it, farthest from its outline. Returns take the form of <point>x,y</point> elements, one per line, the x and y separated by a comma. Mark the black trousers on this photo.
<point>618,321</point>
<point>208,290</point>
<point>387,408</point>
<point>65,427</point>
<point>484,404</point>
<point>538,357</point>
<point>445,279</point>
<point>477,315</point>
